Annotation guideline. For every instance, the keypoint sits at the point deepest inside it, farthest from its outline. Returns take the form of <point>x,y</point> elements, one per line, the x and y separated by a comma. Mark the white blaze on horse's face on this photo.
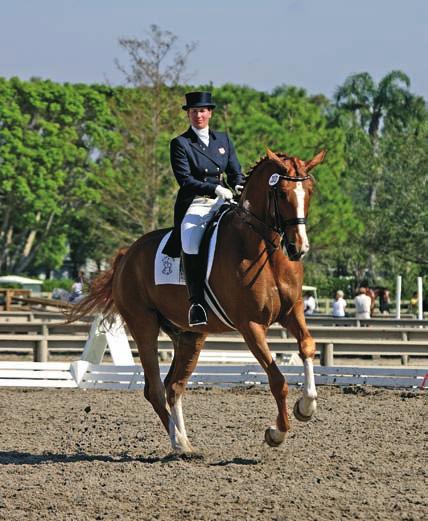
<point>301,228</point>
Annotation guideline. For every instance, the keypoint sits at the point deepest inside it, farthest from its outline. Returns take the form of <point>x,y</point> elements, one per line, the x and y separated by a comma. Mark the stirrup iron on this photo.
<point>197,315</point>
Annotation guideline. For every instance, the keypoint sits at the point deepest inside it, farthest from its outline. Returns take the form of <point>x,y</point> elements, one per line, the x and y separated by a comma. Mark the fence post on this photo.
<point>398,298</point>
<point>327,355</point>
<point>41,347</point>
<point>420,300</point>
<point>404,358</point>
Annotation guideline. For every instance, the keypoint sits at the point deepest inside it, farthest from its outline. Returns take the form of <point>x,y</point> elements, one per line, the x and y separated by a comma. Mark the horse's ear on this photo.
<point>272,156</point>
<point>315,160</point>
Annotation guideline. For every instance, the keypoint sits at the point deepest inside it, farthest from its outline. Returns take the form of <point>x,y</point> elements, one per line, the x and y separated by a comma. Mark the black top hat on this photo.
<point>198,99</point>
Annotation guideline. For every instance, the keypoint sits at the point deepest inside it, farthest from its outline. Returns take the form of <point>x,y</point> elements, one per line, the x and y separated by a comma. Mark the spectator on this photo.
<point>77,288</point>
<point>384,301</point>
<point>413,304</point>
<point>362,304</point>
<point>339,305</point>
<point>309,304</point>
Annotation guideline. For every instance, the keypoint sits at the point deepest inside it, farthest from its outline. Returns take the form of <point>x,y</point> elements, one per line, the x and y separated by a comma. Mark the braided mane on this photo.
<point>265,158</point>
<point>282,157</point>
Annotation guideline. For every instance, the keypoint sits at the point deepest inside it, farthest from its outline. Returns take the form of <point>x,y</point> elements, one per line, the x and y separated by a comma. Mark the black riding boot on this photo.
<point>193,271</point>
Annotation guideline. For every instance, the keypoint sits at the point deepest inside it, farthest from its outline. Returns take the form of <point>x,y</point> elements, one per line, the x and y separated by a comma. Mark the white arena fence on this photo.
<point>238,367</point>
<point>85,375</point>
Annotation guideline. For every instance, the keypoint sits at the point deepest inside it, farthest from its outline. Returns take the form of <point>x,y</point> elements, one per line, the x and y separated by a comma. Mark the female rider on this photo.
<point>198,159</point>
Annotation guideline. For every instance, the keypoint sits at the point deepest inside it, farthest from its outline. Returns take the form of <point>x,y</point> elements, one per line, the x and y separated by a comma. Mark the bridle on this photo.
<point>280,224</point>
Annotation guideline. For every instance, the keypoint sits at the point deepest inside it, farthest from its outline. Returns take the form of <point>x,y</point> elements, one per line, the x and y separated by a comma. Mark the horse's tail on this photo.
<point>100,298</point>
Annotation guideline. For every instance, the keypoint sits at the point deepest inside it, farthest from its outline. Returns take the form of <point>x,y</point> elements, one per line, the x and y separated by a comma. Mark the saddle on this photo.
<point>168,270</point>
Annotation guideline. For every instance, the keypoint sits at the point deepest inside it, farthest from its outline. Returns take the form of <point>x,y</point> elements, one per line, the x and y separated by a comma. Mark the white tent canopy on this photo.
<point>15,279</point>
<point>309,288</point>
<point>25,282</point>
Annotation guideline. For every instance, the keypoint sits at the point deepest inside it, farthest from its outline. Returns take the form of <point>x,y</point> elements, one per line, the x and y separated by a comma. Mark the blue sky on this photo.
<point>314,44</point>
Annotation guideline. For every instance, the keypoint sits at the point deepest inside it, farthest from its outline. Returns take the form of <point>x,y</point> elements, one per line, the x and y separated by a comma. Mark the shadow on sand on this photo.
<point>26,458</point>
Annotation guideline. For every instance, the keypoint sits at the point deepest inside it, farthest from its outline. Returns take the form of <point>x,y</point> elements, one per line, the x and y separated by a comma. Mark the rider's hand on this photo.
<point>238,189</point>
<point>223,192</point>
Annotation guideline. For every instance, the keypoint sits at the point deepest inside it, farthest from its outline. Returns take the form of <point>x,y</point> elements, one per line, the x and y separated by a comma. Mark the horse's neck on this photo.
<point>256,208</point>
<point>252,238</point>
<point>255,197</point>
<point>255,201</point>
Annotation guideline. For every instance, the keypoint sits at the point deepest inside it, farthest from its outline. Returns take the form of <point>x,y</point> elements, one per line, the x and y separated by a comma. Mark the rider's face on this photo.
<point>199,117</point>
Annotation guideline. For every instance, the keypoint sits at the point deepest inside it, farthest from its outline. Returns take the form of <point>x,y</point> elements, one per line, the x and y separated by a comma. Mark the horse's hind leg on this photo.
<point>295,322</point>
<point>145,331</point>
<point>187,346</point>
<point>255,336</point>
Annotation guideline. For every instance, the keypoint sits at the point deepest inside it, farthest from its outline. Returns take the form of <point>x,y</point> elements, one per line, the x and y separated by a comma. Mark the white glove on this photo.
<point>238,189</point>
<point>223,192</point>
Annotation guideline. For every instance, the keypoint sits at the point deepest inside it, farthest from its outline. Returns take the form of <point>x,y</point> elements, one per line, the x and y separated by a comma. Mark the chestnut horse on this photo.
<point>256,283</point>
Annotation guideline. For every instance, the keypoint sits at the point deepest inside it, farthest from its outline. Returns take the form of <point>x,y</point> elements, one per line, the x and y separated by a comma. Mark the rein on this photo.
<point>260,227</point>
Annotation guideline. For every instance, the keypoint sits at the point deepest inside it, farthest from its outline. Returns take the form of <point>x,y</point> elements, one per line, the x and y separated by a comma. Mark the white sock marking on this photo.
<point>177,414</point>
<point>308,402</point>
<point>177,431</point>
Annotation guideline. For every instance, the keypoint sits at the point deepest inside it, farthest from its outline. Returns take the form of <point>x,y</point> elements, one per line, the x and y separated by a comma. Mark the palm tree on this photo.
<point>376,109</point>
<point>389,102</point>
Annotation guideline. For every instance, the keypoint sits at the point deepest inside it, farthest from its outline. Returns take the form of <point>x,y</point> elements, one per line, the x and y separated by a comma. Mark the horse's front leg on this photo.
<point>295,322</point>
<point>187,347</point>
<point>255,336</point>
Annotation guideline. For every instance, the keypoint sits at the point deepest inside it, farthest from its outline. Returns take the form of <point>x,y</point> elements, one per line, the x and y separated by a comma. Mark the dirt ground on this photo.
<point>102,455</point>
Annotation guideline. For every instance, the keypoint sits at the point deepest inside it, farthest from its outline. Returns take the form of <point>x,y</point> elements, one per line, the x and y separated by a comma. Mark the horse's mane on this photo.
<point>262,160</point>
<point>281,163</point>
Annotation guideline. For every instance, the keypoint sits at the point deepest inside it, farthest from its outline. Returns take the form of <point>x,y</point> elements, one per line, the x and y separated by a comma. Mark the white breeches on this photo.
<point>195,222</point>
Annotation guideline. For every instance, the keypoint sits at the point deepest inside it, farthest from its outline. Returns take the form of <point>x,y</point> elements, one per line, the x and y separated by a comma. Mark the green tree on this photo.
<point>49,138</point>
<point>142,192</point>
<point>373,117</point>
<point>402,199</point>
<point>290,121</point>
<point>389,105</point>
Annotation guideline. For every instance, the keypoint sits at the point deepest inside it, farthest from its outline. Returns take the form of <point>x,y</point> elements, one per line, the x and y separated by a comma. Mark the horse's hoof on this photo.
<point>273,437</point>
<point>182,447</point>
<point>191,456</point>
<point>298,415</point>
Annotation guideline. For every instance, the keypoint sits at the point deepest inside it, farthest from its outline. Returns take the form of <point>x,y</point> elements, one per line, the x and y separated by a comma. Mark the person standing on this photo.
<point>77,288</point>
<point>384,301</point>
<point>413,303</point>
<point>339,304</point>
<point>362,304</point>
<point>309,304</point>
<point>199,157</point>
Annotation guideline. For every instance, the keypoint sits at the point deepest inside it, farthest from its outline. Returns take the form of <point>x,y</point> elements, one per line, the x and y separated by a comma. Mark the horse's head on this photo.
<point>280,195</point>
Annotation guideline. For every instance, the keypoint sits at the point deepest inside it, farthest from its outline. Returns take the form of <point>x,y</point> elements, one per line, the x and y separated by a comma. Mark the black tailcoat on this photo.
<point>198,168</point>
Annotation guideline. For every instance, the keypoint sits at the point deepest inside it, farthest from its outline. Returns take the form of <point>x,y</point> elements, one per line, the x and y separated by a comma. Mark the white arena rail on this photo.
<point>240,368</point>
<point>85,375</point>
<point>131,377</point>
<point>36,374</point>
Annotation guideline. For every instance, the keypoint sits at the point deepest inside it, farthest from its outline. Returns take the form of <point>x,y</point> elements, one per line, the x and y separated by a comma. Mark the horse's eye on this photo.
<point>283,195</point>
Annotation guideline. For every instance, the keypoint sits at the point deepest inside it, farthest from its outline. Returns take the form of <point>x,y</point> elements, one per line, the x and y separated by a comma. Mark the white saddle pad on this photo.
<point>168,270</point>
